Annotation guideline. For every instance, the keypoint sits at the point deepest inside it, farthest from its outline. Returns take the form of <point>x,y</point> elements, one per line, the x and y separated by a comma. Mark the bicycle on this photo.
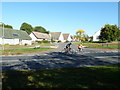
<point>69,51</point>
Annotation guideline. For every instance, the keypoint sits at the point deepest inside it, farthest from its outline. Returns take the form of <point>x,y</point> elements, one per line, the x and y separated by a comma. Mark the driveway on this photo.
<point>56,59</point>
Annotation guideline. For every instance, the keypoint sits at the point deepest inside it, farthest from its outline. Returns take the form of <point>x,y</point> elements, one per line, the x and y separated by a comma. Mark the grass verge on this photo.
<point>106,77</point>
<point>22,51</point>
<point>6,46</point>
<point>101,45</point>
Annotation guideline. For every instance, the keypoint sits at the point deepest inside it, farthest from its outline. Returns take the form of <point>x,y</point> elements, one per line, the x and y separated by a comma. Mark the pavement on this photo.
<point>55,58</point>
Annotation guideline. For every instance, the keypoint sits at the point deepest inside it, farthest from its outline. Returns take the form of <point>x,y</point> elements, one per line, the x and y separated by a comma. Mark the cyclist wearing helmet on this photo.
<point>68,46</point>
<point>80,47</point>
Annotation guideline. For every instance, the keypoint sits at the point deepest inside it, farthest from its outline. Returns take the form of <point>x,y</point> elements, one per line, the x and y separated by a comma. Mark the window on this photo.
<point>15,35</point>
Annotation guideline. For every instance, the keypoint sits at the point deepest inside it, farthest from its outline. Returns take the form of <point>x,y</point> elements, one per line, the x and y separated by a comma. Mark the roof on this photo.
<point>65,36</point>
<point>97,32</point>
<point>40,35</point>
<point>12,34</point>
<point>55,35</point>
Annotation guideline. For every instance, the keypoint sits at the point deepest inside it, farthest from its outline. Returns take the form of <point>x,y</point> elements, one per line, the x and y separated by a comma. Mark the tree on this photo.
<point>26,27</point>
<point>109,33</point>
<point>86,37</point>
<point>6,26</point>
<point>80,34</point>
<point>91,38</point>
<point>9,26</point>
<point>40,29</point>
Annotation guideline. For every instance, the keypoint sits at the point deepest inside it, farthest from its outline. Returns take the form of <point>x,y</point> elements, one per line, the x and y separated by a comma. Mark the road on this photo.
<point>56,59</point>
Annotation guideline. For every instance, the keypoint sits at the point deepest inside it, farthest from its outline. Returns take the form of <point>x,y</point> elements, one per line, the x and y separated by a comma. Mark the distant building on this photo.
<point>14,37</point>
<point>57,36</point>
<point>38,36</point>
<point>96,36</point>
<point>67,37</point>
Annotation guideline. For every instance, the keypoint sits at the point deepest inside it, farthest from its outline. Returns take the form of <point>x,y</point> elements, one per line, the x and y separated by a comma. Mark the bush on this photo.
<point>59,41</point>
<point>86,42</point>
<point>7,44</point>
<point>45,41</point>
<point>52,41</point>
<point>25,44</point>
<point>39,41</point>
<point>66,41</point>
<point>98,42</point>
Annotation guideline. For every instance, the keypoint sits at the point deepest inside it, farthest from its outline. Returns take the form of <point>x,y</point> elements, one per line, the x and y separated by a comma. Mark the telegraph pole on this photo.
<point>2,35</point>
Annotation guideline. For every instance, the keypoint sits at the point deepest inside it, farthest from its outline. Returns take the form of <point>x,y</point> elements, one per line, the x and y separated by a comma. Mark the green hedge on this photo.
<point>98,42</point>
<point>43,41</point>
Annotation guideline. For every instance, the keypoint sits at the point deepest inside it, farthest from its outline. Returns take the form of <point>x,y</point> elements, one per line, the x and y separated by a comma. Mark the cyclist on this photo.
<point>80,47</point>
<point>68,47</point>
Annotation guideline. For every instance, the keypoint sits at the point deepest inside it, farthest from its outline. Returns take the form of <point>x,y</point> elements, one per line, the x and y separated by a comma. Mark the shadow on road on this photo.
<point>58,60</point>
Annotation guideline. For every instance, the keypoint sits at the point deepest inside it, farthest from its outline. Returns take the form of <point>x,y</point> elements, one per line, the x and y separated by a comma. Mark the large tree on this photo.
<point>6,26</point>
<point>109,33</point>
<point>40,29</point>
<point>26,27</point>
<point>80,34</point>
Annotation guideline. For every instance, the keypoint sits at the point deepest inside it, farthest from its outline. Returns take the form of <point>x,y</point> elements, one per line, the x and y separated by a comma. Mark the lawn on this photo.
<point>106,77</point>
<point>113,45</point>
<point>6,46</point>
<point>22,51</point>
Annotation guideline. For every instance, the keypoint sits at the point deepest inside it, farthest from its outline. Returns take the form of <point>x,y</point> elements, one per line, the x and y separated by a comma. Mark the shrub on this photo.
<point>66,41</point>
<point>59,41</point>
<point>52,41</point>
<point>86,42</point>
<point>25,44</point>
<point>39,41</point>
<point>45,41</point>
<point>98,42</point>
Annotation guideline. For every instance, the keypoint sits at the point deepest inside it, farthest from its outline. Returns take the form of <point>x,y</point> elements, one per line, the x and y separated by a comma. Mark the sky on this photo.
<point>66,17</point>
<point>60,0</point>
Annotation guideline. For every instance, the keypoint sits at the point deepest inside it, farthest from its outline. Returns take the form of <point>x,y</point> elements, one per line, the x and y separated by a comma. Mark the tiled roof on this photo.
<point>11,34</point>
<point>55,35</point>
<point>40,35</point>
<point>65,36</point>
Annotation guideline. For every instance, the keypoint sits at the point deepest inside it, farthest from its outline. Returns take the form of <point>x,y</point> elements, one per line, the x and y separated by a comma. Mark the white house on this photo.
<point>14,37</point>
<point>38,36</point>
<point>96,36</point>
<point>56,36</point>
<point>67,37</point>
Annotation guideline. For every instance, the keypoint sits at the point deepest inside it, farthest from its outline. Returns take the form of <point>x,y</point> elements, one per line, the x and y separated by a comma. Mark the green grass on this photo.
<point>95,45</point>
<point>83,77</point>
<point>100,45</point>
<point>22,51</point>
<point>21,46</point>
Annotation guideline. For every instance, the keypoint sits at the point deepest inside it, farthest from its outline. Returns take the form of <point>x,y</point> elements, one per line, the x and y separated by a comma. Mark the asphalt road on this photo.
<point>55,58</point>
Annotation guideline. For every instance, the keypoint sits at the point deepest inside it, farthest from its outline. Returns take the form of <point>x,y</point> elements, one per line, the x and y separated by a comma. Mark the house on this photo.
<point>38,36</point>
<point>14,37</point>
<point>57,36</point>
<point>73,38</point>
<point>67,37</point>
<point>96,36</point>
